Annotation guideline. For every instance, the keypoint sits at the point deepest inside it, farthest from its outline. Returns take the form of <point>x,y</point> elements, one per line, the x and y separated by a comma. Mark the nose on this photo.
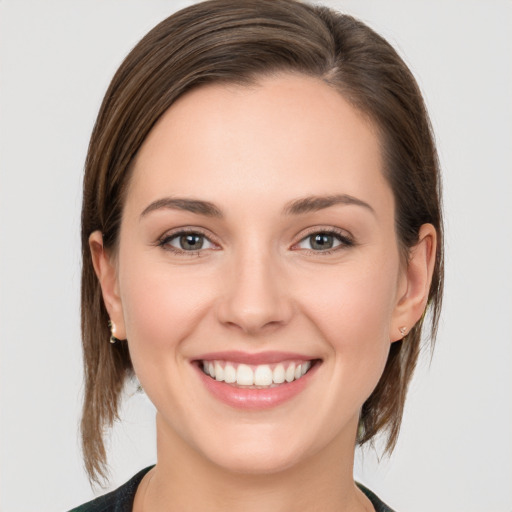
<point>256,298</point>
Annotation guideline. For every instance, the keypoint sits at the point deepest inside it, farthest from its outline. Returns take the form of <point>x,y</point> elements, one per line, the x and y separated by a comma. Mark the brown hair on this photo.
<point>237,42</point>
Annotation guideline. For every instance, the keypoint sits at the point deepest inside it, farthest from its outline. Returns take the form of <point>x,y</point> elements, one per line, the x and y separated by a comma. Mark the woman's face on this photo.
<point>258,243</point>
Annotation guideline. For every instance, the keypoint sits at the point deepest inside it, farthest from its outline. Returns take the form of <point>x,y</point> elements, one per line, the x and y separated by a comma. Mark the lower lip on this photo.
<point>255,399</point>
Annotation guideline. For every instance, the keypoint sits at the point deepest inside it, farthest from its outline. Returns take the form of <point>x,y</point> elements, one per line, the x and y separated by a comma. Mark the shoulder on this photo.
<point>379,505</point>
<point>120,500</point>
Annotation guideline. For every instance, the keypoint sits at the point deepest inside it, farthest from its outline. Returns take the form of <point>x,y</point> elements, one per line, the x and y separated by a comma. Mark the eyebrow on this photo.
<point>189,205</point>
<point>316,203</point>
<point>297,207</point>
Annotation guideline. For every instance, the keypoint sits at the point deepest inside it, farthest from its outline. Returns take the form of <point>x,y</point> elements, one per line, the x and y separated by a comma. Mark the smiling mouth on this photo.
<point>262,376</point>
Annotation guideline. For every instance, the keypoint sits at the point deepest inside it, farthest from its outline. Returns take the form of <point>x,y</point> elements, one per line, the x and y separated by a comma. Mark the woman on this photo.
<point>262,236</point>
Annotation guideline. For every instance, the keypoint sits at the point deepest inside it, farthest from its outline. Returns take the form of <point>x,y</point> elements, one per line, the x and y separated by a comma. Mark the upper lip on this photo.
<point>253,358</point>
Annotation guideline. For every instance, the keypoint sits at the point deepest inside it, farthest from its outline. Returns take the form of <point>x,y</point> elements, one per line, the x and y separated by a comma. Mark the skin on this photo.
<point>259,285</point>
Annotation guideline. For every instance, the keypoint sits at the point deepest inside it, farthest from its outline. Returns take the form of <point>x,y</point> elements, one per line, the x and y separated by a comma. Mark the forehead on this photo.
<point>284,136</point>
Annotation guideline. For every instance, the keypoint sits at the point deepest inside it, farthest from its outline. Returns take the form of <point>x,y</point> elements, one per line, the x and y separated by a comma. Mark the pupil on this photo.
<point>191,242</point>
<point>321,241</point>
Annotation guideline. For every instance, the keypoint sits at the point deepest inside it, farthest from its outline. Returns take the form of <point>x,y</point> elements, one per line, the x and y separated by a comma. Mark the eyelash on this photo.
<point>164,242</point>
<point>344,241</point>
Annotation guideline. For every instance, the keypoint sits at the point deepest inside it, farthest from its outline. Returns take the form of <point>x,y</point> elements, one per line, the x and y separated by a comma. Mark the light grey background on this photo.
<point>57,57</point>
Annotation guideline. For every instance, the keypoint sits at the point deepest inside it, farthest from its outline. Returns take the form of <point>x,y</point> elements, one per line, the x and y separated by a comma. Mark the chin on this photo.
<point>264,459</point>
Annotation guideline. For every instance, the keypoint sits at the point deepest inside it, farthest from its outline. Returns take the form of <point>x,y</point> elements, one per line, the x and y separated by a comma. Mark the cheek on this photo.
<point>161,307</point>
<point>354,317</point>
<point>348,304</point>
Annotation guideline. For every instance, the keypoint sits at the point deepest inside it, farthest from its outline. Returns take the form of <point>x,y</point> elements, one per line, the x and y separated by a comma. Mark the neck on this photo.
<point>183,480</point>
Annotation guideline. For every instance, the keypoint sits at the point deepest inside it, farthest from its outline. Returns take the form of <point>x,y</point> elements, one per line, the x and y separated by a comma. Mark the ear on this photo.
<point>414,283</point>
<point>106,271</point>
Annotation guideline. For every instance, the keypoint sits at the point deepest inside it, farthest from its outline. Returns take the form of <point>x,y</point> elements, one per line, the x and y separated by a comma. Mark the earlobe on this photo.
<point>105,268</point>
<point>413,297</point>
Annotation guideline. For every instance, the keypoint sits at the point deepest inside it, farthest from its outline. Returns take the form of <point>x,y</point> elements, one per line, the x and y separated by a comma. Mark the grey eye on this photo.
<point>320,241</point>
<point>189,242</point>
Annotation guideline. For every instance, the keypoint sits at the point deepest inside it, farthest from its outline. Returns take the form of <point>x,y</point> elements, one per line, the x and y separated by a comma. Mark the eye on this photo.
<point>186,242</point>
<point>323,241</point>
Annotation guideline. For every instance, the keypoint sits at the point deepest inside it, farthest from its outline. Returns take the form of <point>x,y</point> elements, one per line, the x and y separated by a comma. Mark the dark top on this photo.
<point>121,500</point>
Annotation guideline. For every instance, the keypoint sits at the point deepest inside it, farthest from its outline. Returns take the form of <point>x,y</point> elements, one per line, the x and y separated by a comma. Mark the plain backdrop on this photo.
<point>56,59</point>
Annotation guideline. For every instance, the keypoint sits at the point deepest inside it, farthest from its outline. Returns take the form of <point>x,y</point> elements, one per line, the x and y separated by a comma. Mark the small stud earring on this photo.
<point>113,338</point>
<point>402,330</point>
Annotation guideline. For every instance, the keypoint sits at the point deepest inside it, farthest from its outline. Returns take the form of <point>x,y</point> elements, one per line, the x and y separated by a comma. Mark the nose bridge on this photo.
<point>255,297</point>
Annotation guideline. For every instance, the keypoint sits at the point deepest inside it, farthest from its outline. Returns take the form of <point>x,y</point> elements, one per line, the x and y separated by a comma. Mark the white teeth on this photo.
<point>263,375</point>
<point>229,374</point>
<point>244,375</point>
<point>258,375</point>
<point>219,371</point>
<point>278,375</point>
<point>290,373</point>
